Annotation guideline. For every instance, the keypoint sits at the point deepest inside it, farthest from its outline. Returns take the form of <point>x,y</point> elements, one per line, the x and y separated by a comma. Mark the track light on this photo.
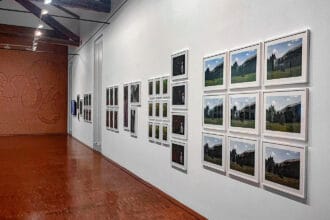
<point>46,2</point>
<point>44,12</point>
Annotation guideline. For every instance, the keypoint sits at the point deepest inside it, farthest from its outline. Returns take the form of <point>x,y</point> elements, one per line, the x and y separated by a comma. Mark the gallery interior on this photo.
<point>164,109</point>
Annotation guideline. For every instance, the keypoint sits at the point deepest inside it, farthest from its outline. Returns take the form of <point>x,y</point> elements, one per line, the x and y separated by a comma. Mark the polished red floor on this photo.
<point>56,177</point>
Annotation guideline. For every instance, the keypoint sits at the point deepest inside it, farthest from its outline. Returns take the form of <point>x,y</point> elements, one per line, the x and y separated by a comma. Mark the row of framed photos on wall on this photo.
<point>284,60</point>
<point>158,132</point>
<point>159,87</point>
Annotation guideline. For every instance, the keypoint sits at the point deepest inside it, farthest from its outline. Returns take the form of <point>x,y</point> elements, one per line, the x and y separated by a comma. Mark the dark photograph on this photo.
<point>111,96</point>
<point>126,106</point>
<point>157,87</point>
<point>108,96</point>
<point>116,95</point>
<point>165,86</point>
<point>150,88</point>
<point>135,93</point>
<point>178,95</point>
<point>242,156</point>
<point>212,146</point>
<point>179,65</point>
<point>178,154</point>
<point>133,121</point>
<point>178,124</point>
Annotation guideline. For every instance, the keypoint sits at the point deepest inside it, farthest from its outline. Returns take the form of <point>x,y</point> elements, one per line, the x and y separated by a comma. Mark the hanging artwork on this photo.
<point>215,72</point>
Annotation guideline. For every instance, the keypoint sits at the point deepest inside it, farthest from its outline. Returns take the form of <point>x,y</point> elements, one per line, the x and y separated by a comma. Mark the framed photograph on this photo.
<point>179,125</point>
<point>151,88</point>
<point>179,95</point>
<point>285,114</point>
<point>111,96</point>
<point>213,151</point>
<point>244,68</point>
<point>78,99</point>
<point>135,93</point>
<point>284,168</point>
<point>107,97</point>
<point>115,120</point>
<point>165,136</point>
<point>165,110</point>
<point>158,87</point>
<point>151,109</point>
<point>151,131</point>
<point>81,107</point>
<point>165,86</point>
<point>180,65</point>
<point>157,136</point>
<point>126,107</point>
<point>214,72</point>
<point>134,121</point>
<point>214,112</point>
<point>286,59</point>
<point>111,120</point>
<point>179,155</point>
<point>243,158</point>
<point>107,120</point>
<point>115,98</point>
<point>157,110</point>
<point>244,113</point>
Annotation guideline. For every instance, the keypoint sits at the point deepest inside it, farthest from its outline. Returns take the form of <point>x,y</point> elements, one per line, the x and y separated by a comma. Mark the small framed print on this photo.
<point>213,151</point>
<point>284,168</point>
<point>244,68</point>
<point>107,97</point>
<point>158,87</point>
<point>107,121</point>
<point>134,121</point>
<point>165,136</point>
<point>244,113</point>
<point>135,90</point>
<point>285,114</point>
<point>126,112</point>
<point>165,86</point>
<point>111,96</point>
<point>157,136</point>
<point>165,110</point>
<point>115,98</point>
<point>286,59</point>
<point>179,95</point>
<point>157,110</point>
<point>151,88</point>
<point>111,120</point>
<point>215,72</point>
<point>81,107</point>
<point>179,155</point>
<point>243,158</point>
<point>214,112</point>
<point>151,131</point>
<point>179,125</point>
<point>115,120</point>
<point>151,109</point>
<point>180,65</point>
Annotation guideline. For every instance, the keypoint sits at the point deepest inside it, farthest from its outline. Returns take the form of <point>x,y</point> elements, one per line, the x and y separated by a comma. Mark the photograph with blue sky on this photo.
<point>212,141</point>
<point>242,56</point>
<point>213,62</point>
<point>280,102</point>
<point>241,146</point>
<point>241,102</point>
<point>282,48</point>
<point>211,102</point>
<point>281,155</point>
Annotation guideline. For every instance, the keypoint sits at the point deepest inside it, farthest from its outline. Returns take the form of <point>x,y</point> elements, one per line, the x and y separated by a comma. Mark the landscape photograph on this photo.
<point>135,93</point>
<point>242,156</point>
<point>164,108</point>
<point>282,167</point>
<point>178,95</point>
<point>178,154</point>
<point>212,148</point>
<point>213,110</point>
<point>283,113</point>
<point>243,66</point>
<point>178,65</point>
<point>178,124</point>
<point>165,135</point>
<point>213,71</point>
<point>243,112</point>
<point>284,59</point>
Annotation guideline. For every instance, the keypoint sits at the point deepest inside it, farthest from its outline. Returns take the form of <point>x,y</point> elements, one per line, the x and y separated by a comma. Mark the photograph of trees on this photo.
<point>283,113</point>
<point>213,71</point>
<point>242,156</point>
<point>284,60</point>
<point>282,167</point>
<point>213,110</point>
<point>244,66</point>
<point>178,65</point>
<point>212,149</point>
<point>243,112</point>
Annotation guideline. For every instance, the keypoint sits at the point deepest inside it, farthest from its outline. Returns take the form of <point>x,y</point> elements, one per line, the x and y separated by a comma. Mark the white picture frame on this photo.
<point>211,60</point>
<point>240,144</point>
<point>151,112</point>
<point>237,55</point>
<point>158,114</point>
<point>209,126</point>
<point>134,124</point>
<point>167,87</point>
<point>135,101</point>
<point>179,161</point>
<point>177,101</point>
<point>179,125</point>
<point>243,126</point>
<point>157,138</point>
<point>165,104</point>
<point>167,141</point>
<point>292,98</point>
<point>293,42</point>
<point>179,71</point>
<point>158,84</point>
<point>151,91</point>
<point>126,128</point>
<point>281,153</point>
<point>211,138</point>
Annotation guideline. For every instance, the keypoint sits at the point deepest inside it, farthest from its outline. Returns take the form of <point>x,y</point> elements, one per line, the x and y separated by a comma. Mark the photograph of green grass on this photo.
<point>242,156</point>
<point>212,149</point>
<point>213,110</point>
<point>284,59</point>
<point>282,167</point>
<point>243,111</point>
<point>283,113</point>
<point>213,71</point>
<point>243,66</point>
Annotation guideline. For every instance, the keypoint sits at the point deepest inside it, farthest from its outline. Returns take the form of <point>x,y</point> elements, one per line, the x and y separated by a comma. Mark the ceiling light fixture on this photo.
<point>40,26</point>
<point>44,12</point>
<point>46,2</point>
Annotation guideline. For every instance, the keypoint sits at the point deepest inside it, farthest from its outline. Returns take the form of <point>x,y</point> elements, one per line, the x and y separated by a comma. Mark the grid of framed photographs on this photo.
<point>112,108</point>
<point>87,108</point>
<point>179,110</point>
<point>158,110</point>
<point>255,128</point>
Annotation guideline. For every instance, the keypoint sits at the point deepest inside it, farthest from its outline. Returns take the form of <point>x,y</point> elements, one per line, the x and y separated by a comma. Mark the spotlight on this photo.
<point>44,12</point>
<point>40,26</point>
<point>46,2</point>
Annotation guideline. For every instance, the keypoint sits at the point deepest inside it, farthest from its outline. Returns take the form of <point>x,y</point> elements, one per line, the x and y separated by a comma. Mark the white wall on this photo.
<point>138,44</point>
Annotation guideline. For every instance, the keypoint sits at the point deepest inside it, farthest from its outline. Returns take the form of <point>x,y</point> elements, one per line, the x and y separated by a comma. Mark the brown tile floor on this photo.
<point>47,177</point>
